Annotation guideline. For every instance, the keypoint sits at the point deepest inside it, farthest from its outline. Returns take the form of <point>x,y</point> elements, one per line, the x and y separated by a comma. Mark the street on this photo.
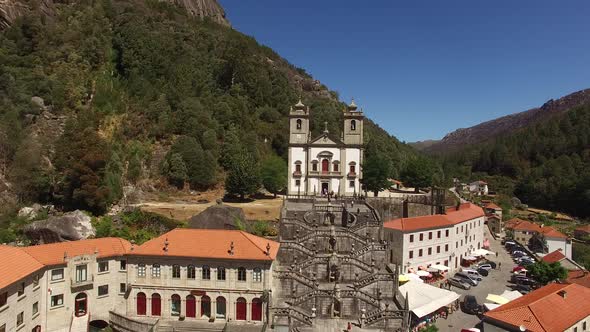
<point>496,282</point>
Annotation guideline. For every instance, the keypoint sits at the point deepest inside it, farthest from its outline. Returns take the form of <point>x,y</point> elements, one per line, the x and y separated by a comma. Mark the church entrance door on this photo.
<point>325,188</point>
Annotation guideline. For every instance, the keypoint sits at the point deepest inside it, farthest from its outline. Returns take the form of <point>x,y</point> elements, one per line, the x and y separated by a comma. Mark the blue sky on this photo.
<point>421,69</point>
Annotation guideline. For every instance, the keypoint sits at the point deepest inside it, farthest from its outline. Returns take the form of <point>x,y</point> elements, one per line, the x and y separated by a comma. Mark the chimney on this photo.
<point>562,293</point>
<point>231,248</point>
<point>268,249</point>
<point>166,243</point>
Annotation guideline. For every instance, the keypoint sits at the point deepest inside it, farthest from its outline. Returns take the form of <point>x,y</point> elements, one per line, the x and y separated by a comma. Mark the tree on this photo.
<point>176,170</point>
<point>242,178</point>
<point>376,172</point>
<point>134,168</point>
<point>546,273</point>
<point>274,174</point>
<point>418,173</point>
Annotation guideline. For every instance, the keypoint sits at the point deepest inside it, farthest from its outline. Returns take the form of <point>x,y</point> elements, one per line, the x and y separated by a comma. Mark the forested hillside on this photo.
<point>545,165</point>
<point>92,98</point>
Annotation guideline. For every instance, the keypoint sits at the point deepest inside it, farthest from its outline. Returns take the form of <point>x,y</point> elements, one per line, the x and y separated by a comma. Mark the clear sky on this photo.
<point>421,69</point>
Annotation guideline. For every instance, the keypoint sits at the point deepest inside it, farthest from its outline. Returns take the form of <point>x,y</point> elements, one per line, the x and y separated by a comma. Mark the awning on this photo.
<point>491,306</point>
<point>497,299</point>
<point>469,258</point>
<point>411,277</point>
<point>424,299</point>
<point>511,295</point>
<point>423,273</point>
<point>482,252</point>
<point>440,267</point>
<point>432,270</point>
<point>403,278</point>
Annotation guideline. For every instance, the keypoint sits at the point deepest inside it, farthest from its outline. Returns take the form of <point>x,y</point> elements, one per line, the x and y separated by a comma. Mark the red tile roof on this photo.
<point>545,309</point>
<point>580,277</point>
<point>512,222</point>
<point>16,264</point>
<point>53,254</point>
<point>467,211</point>
<point>552,257</point>
<point>549,231</point>
<point>492,206</point>
<point>209,243</point>
<point>585,228</point>
<point>526,226</point>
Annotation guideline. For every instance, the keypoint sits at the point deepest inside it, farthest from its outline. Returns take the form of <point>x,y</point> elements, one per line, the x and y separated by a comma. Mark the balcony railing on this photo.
<point>81,283</point>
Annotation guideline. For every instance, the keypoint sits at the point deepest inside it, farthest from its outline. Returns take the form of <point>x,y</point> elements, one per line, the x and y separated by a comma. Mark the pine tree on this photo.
<point>176,170</point>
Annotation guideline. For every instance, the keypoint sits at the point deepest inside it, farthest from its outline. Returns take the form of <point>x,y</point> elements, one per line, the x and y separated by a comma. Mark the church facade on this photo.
<point>325,164</point>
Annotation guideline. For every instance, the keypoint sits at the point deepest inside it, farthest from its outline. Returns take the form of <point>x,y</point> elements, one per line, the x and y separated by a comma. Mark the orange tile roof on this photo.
<point>492,206</point>
<point>53,254</point>
<point>545,309</point>
<point>16,264</point>
<point>209,243</point>
<point>580,277</point>
<point>549,231</point>
<point>512,222</point>
<point>585,228</point>
<point>467,211</point>
<point>526,226</point>
<point>552,257</point>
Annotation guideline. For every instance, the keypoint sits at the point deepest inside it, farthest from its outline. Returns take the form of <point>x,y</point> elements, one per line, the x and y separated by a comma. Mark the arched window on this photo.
<point>220,307</point>
<point>190,272</point>
<point>141,304</point>
<point>336,166</point>
<point>241,308</point>
<point>352,167</point>
<point>256,309</point>
<point>241,273</point>
<point>191,306</point>
<point>299,124</point>
<point>298,166</point>
<point>257,274</point>
<point>221,273</point>
<point>156,304</point>
<point>81,304</point>
<point>206,275</point>
<point>176,271</point>
<point>175,305</point>
<point>206,306</point>
<point>352,125</point>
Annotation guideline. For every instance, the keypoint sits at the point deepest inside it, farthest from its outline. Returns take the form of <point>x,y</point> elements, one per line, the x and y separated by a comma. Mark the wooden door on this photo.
<point>257,309</point>
<point>156,305</point>
<point>191,306</point>
<point>141,304</point>
<point>241,309</point>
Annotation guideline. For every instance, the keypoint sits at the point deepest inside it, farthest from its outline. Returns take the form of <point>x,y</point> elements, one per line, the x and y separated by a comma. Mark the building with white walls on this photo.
<point>325,164</point>
<point>444,239</point>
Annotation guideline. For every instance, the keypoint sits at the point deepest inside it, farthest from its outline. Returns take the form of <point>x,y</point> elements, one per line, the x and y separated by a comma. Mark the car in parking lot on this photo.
<point>485,266</point>
<point>483,271</point>
<point>470,305</point>
<point>492,264</point>
<point>518,253</point>
<point>473,273</point>
<point>522,280</point>
<point>468,279</point>
<point>459,283</point>
<point>522,289</point>
<point>526,259</point>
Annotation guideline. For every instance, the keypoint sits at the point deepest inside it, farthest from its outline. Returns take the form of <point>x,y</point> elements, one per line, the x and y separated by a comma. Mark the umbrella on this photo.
<point>423,273</point>
<point>440,267</point>
<point>469,258</point>
<point>404,278</point>
<point>497,299</point>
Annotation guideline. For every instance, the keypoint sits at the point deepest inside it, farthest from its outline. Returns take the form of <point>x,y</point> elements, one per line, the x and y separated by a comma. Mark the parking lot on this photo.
<point>496,282</point>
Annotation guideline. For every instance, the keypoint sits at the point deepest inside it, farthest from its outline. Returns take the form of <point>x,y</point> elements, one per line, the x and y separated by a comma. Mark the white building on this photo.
<point>479,188</point>
<point>325,164</point>
<point>189,274</point>
<point>436,239</point>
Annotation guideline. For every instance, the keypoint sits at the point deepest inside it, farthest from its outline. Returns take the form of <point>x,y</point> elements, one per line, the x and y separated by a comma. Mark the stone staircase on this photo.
<point>79,324</point>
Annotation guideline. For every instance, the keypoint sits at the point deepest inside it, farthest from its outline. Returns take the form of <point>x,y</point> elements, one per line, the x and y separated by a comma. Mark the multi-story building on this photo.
<point>522,230</point>
<point>186,274</point>
<point>325,164</point>
<point>444,239</point>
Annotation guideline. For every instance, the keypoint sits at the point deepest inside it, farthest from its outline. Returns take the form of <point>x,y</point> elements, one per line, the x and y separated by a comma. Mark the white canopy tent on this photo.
<point>424,299</point>
<point>511,295</point>
<point>440,267</point>
<point>482,252</point>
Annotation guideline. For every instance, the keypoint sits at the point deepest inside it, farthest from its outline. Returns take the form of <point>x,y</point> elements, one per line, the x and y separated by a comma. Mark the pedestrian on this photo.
<point>500,266</point>
<point>496,254</point>
<point>349,328</point>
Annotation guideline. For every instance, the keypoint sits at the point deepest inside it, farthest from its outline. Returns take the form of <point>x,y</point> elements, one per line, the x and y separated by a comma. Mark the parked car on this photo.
<point>526,263</point>
<point>459,283</point>
<point>473,273</point>
<point>523,280</point>
<point>470,305</point>
<point>517,268</point>
<point>485,266</point>
<point>522,289</point>
<point>492,264</point>
<point>521,272</point>
<point>465,277</point>
<point>519,254</point>
<point>483,271</point>
<point>515,277</point>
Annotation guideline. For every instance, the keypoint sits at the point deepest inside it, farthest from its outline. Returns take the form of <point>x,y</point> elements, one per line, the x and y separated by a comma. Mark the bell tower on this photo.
<point>353,125</point>
<point>299,124</point>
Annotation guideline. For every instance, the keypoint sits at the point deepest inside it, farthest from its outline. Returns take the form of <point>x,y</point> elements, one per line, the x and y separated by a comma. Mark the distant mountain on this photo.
<point>488,130</point>
<point>423,145</point>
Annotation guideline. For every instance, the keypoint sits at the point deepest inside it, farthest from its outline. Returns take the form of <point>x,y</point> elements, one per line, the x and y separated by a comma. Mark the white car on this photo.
<point>485,267</point>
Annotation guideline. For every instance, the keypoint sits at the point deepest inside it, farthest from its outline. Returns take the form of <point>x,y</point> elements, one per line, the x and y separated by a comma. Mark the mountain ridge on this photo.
<point>507,124</point>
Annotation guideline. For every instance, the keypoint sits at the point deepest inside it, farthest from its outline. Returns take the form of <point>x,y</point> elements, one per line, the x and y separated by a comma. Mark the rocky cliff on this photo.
<point>10,10</point>
<point>506,124</point>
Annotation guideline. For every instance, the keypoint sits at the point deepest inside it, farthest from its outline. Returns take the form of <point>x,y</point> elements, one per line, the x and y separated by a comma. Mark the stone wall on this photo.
<point>392,208</point>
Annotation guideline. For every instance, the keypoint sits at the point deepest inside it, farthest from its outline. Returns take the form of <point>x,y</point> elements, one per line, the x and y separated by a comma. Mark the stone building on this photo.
<point>324,164</point>
<point>185,278</point>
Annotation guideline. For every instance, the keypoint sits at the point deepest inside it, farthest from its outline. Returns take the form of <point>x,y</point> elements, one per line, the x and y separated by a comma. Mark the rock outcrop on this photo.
<point>219,216</point>
<point>508,124</point>
<point>10,10</point>
<point>71,226</point>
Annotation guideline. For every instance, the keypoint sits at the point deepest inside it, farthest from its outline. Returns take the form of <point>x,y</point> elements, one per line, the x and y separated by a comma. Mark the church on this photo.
<point>325,164</point>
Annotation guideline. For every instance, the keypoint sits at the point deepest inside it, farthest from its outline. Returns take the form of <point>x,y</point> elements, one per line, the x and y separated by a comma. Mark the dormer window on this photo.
<point>299,123</point>
<point>353,125</point>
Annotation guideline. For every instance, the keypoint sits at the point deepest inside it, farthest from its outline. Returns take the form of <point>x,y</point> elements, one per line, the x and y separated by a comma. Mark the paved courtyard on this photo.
<point>496,282</point>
